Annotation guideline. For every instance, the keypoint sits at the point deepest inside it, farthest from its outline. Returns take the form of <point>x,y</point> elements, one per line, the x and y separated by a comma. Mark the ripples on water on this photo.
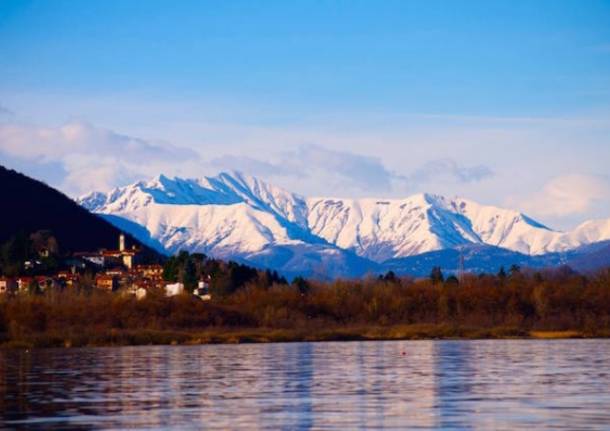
<point>358,385</point>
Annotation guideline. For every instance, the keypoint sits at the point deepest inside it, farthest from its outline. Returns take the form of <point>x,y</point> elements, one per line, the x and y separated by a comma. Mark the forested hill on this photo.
<point>29,206</point>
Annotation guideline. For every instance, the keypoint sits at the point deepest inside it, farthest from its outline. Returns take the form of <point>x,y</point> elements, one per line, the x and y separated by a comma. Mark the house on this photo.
<point>121,277</point>
<point>71,280</point>
<point>174,289</point>
<point>122,256</point>
<point>7,285</point>
<point>126,256</point>
<point>68,278</point>
<point>203,289</point>
<point>23,284</point>
<point>106,282</point>
<point>45,283</point>
<point>116,272</point>
<point>150,271</point>
<point>96,258</point>
<point>75,263</point>
<point>141,293</point>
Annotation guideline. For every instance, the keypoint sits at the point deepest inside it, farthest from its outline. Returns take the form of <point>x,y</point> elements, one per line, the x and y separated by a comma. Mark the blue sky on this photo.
<point>507,102</point>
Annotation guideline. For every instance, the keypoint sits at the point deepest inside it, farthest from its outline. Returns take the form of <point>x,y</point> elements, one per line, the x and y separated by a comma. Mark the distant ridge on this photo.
<point>241,217</point>
<point>29,205</point>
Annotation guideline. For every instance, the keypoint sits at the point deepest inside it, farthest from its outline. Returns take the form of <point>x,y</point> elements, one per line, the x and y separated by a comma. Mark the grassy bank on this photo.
<point>549,305</point>
<point>270,335</point>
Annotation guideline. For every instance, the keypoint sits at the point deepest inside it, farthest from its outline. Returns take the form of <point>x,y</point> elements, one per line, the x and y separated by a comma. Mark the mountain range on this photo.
<point>243,218</point>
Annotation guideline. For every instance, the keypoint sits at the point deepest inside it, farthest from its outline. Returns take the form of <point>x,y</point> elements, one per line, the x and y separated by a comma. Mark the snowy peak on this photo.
<point>93,201</point>
<point>178,191</point>
<point>266,197</point>
<point>224,189</point>
<point>391,228</point>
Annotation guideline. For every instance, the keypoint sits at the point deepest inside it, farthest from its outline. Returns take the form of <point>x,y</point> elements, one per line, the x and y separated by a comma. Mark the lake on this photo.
<point>494,384</point>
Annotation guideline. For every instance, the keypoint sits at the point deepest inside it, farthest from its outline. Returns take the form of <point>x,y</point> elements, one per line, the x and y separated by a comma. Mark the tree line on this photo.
<point>515,301</point>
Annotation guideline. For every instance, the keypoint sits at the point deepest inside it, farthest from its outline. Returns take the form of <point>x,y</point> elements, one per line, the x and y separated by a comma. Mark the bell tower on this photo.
<point>122,242</point>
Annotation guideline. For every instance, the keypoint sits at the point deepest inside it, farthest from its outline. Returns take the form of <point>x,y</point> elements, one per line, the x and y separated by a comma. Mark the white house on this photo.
<point>174,289</point>
<point>203,289</point>
<point>140,293</point>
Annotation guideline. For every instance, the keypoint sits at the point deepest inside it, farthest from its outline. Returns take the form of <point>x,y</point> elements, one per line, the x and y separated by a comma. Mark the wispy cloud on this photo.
<point>85,157</point>
<point>361,171</point>
<point>251,166</point>
<point>566,195</point>
<point>92,157</point>
<point>450,170</point>
<point>331,169</point>
<point>317,164</point>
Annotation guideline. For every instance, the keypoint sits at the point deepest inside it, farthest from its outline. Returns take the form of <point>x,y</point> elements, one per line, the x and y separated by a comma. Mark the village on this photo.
<point>115,271</point>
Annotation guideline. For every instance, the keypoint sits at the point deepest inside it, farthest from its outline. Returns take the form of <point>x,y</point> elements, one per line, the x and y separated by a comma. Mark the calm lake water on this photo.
<point>357,385</point>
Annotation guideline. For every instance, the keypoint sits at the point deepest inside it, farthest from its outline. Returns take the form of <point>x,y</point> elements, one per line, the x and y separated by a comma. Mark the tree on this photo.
<point>502,273</point>
<point>390,276</point>
<point>189,275</point>
<point>199,259</point>
<point>42,240</point>
<point>14,252</point>
<point>514,270</point>
<point>276,278</point>
<point>170,270</point>
<point>182,257</point>
<point>34,288</point>
<point>452,279</point>
<point>436,275</point>
<point>301,284</point>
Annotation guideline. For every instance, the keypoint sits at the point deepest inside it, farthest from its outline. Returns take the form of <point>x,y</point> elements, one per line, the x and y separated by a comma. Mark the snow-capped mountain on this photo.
<point>241,217</point>
<point>393,228</point>
<point>224,215</point>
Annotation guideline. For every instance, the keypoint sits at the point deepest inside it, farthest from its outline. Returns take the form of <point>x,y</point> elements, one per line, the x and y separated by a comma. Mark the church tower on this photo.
<point>122,242</point>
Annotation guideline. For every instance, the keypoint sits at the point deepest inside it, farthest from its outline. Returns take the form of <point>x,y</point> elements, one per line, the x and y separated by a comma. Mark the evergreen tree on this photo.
<point>170,270</point>
<point>502,273</point>
<point>301,284</point>
<point>14,252</point>
<point>436,275</point>
<point>189,275</point>
<point>452,279</point>
<point>390,276</point>
<point>34,288</point>
<point>514,270</point>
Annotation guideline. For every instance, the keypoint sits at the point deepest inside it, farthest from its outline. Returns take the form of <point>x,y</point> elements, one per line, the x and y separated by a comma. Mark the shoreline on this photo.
<point>121,338</point>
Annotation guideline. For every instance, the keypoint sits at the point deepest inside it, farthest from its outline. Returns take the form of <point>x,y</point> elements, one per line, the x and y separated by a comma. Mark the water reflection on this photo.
<point>373,385</point>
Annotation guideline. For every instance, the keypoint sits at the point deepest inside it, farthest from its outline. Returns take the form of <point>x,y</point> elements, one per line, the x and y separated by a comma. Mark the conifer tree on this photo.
<point>436,275</point>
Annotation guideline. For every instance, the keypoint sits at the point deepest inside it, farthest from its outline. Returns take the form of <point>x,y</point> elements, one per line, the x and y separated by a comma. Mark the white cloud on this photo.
<point>314,167</point>
<point>360,171</point>
<point>317,168</point>
<point>449,170</point>
<point>567,195</point>
<point>250,166</point>
<point>82,138</point>
<point>92,157</point>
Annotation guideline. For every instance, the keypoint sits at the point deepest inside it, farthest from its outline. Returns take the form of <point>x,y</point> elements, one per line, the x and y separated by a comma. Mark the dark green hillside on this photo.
<point>29,206</point>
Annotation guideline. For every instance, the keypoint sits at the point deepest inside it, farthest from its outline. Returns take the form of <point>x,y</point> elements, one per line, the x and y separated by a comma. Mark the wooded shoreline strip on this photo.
<point>554,304</point>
